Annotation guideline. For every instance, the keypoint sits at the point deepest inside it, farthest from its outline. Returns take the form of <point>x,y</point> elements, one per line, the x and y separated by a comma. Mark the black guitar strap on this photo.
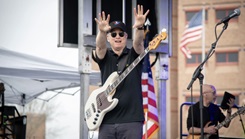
<point>122,64</point>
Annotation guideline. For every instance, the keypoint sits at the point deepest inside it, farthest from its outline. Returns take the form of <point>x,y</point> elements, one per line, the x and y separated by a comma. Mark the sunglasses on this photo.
<point>114,34</point>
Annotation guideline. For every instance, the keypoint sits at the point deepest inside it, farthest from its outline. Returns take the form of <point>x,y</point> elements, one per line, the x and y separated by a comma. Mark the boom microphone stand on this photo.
<point>199,75</point>
<point>241,122</point>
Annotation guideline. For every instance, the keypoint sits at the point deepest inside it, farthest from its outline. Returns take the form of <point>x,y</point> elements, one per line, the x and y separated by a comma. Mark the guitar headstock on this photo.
<point>241,110</point>
<point>157,40</point>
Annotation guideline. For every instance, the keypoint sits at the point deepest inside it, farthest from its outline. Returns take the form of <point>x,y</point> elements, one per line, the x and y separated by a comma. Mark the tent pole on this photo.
<point>162,76</point>
<point>85,66</point>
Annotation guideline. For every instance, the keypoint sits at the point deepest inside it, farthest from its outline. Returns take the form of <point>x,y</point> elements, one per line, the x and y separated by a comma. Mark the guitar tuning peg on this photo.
<point>155,36</point>
<point>164,30</point>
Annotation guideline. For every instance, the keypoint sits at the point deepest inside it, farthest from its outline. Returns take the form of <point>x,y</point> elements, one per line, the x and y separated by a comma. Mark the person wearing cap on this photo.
<point>125,121</point>
<point>212,114</point>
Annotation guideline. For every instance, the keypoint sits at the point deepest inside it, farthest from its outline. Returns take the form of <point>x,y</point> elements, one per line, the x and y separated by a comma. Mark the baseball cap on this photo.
<point>118,24</point>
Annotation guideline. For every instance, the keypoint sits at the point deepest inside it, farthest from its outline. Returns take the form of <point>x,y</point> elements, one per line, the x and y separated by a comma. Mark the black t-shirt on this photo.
<point>129,92</point>
<point>211,113</point>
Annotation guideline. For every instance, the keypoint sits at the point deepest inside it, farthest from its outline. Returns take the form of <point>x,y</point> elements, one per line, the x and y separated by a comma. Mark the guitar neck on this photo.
<point>227,120</point>
<point>114,85</point>
<point>152,45</point>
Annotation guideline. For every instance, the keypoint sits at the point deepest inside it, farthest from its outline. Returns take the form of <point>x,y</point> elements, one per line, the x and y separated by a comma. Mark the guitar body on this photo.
<point>98,104</point>
<point>206,136</point>
<point>194,137</point>
<point>197,137</point>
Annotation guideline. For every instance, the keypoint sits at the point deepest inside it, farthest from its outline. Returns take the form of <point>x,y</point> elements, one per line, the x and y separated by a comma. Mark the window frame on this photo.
<point>194,12</point>
<point>227,62</point>
<point>196,61</point>
<point>218,100</point>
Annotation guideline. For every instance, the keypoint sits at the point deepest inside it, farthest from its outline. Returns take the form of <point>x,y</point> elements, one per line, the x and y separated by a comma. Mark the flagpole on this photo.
<point>203,39</point>
<point>147,24</point>
<point>146,121</point>
<point>150,109</point>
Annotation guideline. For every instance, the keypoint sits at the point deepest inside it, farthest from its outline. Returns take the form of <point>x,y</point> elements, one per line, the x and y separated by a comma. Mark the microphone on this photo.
<point>235,13</point>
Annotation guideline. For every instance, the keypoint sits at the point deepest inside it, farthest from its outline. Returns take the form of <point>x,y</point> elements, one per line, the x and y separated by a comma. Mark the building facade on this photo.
<point>225,69</point>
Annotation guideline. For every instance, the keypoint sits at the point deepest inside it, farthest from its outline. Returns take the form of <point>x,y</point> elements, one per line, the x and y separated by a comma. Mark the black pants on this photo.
<point>121,131</point>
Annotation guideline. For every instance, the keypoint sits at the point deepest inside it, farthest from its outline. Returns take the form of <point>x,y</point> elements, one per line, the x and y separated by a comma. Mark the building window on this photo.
<point>218,99</point>
<point>221,13</point>
<point>190,14</point>
<point>226,57</point>
<point>195,59</point>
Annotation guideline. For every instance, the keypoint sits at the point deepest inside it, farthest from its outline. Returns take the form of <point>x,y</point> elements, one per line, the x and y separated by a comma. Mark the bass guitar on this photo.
<point>101,100</point>
<point>206,136</point>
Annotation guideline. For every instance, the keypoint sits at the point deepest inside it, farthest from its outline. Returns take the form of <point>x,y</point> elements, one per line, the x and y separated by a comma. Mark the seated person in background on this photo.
<point>212,114</point>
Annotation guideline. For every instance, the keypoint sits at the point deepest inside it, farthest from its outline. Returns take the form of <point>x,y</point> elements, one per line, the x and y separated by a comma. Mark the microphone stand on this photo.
<point>199,75</point>
<point>242,123</point>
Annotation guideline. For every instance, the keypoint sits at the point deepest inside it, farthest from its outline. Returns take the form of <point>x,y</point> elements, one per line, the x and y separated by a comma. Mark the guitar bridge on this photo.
<point>88,113</point>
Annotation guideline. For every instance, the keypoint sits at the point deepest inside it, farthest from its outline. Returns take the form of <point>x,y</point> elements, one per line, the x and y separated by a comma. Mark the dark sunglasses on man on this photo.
<point>114,34</point>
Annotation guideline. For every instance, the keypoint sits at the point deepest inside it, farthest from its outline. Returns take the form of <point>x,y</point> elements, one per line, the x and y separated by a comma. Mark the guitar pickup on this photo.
<point>93,107</point>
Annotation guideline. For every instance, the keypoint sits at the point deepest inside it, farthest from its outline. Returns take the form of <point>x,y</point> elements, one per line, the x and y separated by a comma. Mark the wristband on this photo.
<point>141,28</point>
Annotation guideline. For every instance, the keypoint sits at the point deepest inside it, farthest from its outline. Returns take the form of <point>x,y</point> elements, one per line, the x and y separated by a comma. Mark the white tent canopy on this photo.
<point>25,77</point>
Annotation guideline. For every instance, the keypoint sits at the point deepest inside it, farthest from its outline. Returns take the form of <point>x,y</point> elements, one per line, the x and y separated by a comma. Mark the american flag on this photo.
<point>151,125</point>
<point>192,33</point>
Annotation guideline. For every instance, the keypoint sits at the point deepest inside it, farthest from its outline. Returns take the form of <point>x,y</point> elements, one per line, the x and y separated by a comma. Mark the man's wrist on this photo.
<point>229,111</point>
<point>141,28</point>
